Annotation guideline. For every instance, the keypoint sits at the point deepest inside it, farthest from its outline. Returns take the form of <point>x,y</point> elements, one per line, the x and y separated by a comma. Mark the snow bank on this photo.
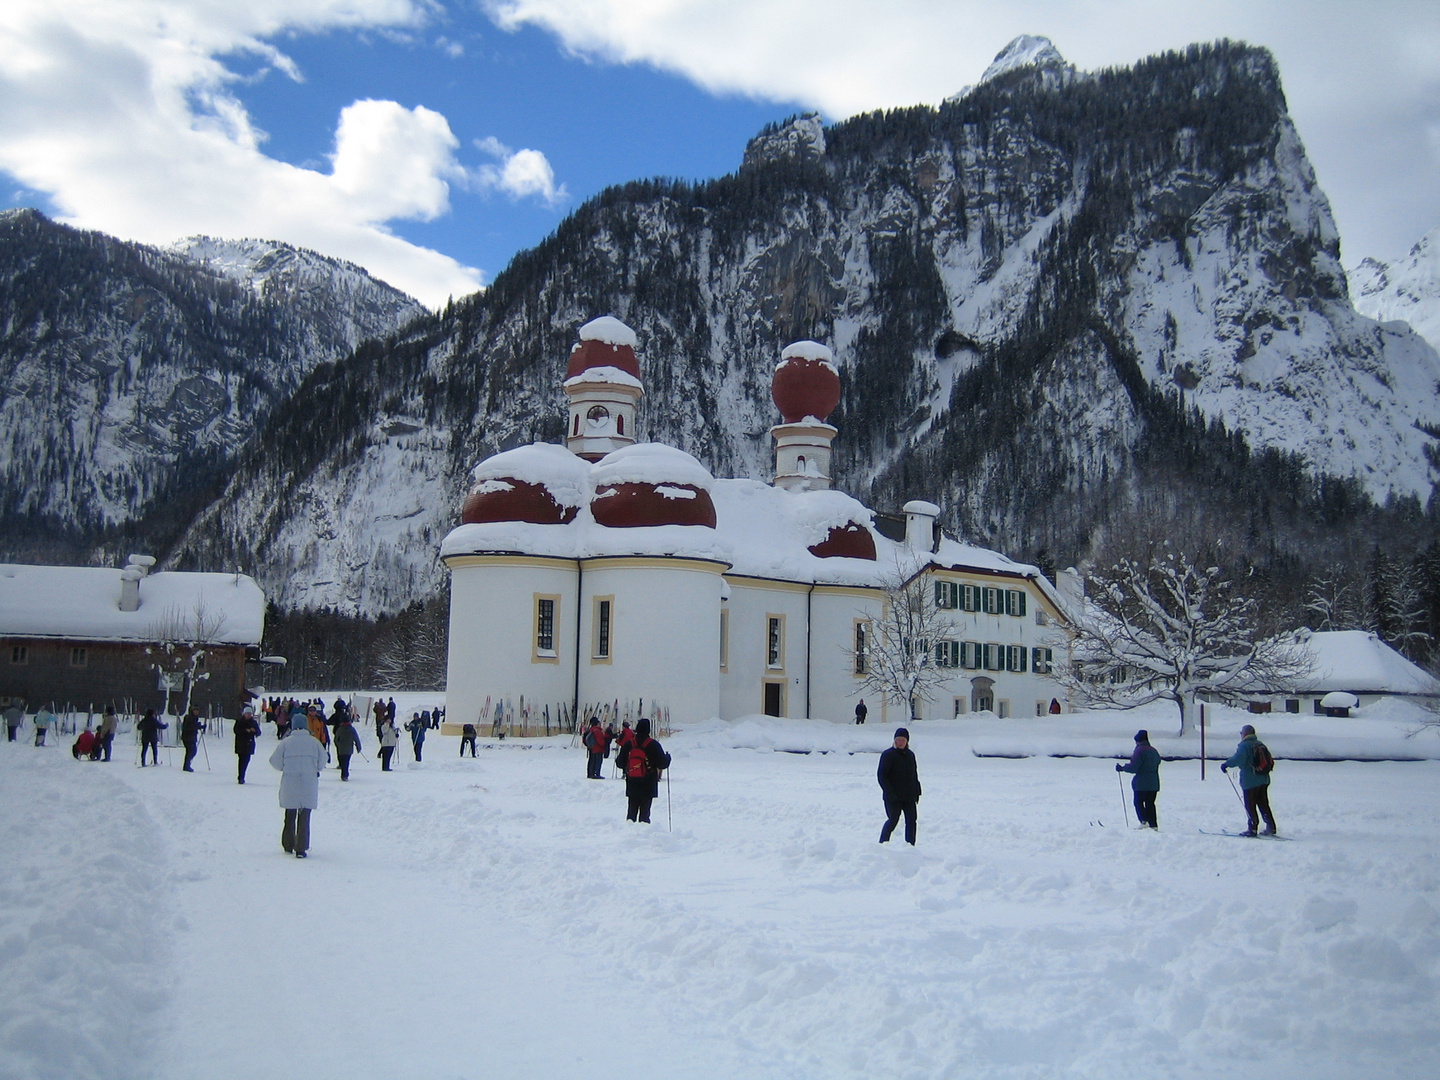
<point>86,920</point>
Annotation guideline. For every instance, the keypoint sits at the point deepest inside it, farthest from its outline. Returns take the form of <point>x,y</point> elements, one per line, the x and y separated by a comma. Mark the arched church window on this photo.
<point>619,423</point>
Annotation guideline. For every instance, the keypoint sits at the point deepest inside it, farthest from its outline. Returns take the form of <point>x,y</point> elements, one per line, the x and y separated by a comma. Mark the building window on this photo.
<point>1292,705</point>
<point>994,657</point>
<point>947,595</point>
<point>947,654</point>
<point>619,423</point>
<point>994,602</point>
<point>78,656</point>
<point>775,642</point>
<point>972,655</point>
<point>1015,658</point>
<point>575,428</point>
<point>545,612</point>
<point>1015,602</point>
<point>600,639</point>
<point>862,647</point>
<point>724,639</point>
<point>1042,661</point>
<point>970,597</point>
<point>961,706</point>
<point>1002,709</point>
<point>1041,708</point>
<point>20,654</point>
<point>774,699</point>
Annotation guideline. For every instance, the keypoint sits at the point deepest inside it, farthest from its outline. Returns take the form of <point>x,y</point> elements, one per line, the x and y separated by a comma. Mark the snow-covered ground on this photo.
<point>499,918</point>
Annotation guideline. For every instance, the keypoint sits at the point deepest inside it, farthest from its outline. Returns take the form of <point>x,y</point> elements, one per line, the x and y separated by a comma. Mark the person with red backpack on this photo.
<point>643,761</point>
<point>597,743</point>
<point>1254,761</point>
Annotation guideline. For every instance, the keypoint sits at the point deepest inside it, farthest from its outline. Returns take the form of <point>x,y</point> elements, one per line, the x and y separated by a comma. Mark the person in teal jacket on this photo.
<point>1145,764</point>
<point>1254,785</point>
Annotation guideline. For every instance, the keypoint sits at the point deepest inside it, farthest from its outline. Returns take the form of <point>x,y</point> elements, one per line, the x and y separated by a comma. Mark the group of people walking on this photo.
<point>639,758</point>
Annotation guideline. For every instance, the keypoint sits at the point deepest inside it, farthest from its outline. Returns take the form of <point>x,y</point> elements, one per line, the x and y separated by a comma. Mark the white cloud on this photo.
<point>520,173</point>
<point>122,114</point>
<point>1363,81</point>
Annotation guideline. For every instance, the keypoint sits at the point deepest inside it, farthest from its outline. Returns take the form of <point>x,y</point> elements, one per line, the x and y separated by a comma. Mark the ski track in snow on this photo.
<point>499,918</point>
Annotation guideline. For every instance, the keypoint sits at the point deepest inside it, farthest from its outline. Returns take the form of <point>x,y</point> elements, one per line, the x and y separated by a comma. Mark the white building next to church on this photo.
<point>614,572</point>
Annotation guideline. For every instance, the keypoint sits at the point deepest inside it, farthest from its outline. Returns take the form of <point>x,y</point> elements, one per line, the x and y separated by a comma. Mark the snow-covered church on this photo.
<point>613,571</point>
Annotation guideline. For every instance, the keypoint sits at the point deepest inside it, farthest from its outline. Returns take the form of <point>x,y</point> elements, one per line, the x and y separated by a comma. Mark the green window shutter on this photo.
<point>1021,595</point>
<point>939,594</point>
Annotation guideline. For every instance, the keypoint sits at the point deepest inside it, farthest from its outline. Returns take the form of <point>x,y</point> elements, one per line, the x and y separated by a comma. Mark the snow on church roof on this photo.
<point>83,603</point>
<point>608,329</point>
<point>761,530</point>
<point>1359,662</point>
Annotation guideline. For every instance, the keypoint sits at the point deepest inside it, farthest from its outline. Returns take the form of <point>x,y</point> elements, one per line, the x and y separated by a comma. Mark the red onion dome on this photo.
<point>604,342</point>
<point>508,499</point>
<point>852,541</point>
<point>650,484</point>
<point>806,383</point>
<point>540,484</point>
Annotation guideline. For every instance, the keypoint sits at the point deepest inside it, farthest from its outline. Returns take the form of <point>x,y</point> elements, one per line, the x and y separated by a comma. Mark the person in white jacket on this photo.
<point>300,757</point>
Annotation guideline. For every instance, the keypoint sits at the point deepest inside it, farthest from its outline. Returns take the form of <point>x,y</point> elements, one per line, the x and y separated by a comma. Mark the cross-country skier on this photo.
<point>642,762</point>
<point>150,727</point>
<point>1145,764</point>
<point>190,736</point>
<point>417,729</point>
<point>347,742</point>
<point>246,731</point>
<point>389,738</point>
<point>1253,784</point>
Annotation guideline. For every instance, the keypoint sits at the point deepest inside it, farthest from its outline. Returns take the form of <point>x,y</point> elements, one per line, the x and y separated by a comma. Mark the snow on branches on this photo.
<point>1169,630</point>
<point>897,660</point>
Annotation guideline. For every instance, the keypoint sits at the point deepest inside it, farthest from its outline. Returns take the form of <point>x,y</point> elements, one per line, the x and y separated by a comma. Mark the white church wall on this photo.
<point>753,603</point>
<point>494,651</point>
<point>665,634</point>
<point>834,684</point>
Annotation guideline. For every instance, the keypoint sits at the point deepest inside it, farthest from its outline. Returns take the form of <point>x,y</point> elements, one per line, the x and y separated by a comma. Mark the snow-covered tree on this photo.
<point>898,660</point>
<point>181,637</point>
<point>1331,602</point>
<point>1168,630</point>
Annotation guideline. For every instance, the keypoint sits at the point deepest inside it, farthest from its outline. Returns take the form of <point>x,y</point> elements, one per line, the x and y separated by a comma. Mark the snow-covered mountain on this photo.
<point>130,376</point>
<point>1061,303</point>
<point>1405,290</point>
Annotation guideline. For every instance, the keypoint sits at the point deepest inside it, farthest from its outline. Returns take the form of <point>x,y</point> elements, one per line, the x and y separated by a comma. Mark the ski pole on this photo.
<point>669,816</point>
<point>1124,808</point>
<point>1235,789</point>
<point>205,748</point>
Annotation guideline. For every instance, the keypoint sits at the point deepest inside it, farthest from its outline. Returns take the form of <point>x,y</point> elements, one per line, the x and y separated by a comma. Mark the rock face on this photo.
<point>1060,303</point>
<point>130,377</point>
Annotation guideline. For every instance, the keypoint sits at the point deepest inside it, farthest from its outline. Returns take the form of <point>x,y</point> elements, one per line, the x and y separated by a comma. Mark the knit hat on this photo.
<point>642,727</point>
<point>1142,735</point>
<point>902,733</point>
<point>1247,730</point>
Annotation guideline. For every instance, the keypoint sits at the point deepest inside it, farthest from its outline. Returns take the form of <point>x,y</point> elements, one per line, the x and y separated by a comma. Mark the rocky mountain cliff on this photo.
<point>131,376</point>
<point>1065,305</point>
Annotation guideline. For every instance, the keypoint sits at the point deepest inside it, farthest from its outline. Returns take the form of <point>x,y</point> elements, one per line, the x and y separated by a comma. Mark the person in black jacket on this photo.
<point>190,736</point>
<point>642,761</point>
<point>246,731</point>
<point>347,742</point>
<point>900,784</point>
<point>150,727</point>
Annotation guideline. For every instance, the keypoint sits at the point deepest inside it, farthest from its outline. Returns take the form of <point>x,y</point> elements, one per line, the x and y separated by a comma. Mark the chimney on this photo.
<point>136,568</point>
<point>1071,587</point>
<point>920,524</point>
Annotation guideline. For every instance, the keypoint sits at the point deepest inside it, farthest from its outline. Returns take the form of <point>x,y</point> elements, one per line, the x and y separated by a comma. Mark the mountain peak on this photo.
<point>1027,50</point>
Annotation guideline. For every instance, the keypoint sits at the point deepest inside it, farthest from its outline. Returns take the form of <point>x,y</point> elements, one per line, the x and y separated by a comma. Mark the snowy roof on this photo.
<point>807,350</point>
<point>555,468</point>
<point>761,530</point>
<point>608,329</point>
<point>605,375</point>
<point>1359,662</point>
<point>83,602</point>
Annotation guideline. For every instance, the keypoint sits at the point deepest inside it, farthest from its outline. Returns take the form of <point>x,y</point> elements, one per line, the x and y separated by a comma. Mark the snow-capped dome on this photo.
<point>605,342</point>
<point>540,483</point>
<point>806,382</point>
<point>832,524</point>
<point>651,484</point>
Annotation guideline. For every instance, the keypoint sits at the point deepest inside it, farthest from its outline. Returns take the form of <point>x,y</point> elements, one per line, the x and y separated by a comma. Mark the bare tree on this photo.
<point>898,659</point>
<point>181,635</point>
<point>1167,630</point>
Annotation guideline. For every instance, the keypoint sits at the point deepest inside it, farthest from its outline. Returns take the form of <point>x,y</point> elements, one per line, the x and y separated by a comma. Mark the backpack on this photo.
<point>1261,760</point>
<point>637,766</point>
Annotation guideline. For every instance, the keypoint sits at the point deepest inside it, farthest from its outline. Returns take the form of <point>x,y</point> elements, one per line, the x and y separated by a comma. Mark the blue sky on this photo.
<point>430,140</point>
<point>597,124</point>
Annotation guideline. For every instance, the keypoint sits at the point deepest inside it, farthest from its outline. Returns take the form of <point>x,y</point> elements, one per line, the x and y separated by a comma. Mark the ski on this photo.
<point>1258,836</point>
